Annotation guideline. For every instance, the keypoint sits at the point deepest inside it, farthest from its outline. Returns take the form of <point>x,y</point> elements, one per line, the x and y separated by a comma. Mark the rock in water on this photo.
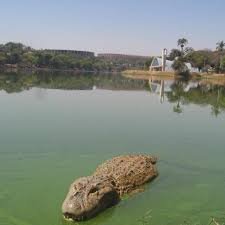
<point>90,195</point>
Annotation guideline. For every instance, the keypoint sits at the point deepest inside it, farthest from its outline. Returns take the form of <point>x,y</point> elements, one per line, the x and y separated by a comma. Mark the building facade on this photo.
<point>74,53</point>
<point>122,56</point>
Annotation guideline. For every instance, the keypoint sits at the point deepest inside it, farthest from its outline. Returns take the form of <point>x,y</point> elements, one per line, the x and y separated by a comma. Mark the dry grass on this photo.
<point>158,75</point>
<point>213,76</point>
<point>147,73</point>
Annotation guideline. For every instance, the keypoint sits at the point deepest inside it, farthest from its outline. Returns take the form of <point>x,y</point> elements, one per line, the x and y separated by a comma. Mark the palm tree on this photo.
<point>220,46</point>
<point>182,42</point>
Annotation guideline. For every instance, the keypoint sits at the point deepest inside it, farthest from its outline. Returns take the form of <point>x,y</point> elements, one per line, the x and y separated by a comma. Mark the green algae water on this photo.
<point>58,127</point>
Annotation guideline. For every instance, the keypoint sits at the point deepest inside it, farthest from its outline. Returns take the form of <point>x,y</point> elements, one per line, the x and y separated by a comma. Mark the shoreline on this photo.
<point>142,74</point>
<point>37,69</point>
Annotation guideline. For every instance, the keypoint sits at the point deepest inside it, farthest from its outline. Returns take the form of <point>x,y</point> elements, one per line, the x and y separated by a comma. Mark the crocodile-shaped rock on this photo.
<point>90,195</point>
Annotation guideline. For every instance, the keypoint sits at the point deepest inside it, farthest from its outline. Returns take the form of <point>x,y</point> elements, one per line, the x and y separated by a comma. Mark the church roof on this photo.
<point>157,62</point>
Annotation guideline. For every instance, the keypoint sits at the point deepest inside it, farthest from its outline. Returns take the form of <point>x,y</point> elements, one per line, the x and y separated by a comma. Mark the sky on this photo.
<point>139,27</point>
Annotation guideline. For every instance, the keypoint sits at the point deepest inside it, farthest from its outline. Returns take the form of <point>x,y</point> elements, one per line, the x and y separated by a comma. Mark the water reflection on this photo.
<point>18,82</point>
<point>158,87</point>
<point>179,93</point>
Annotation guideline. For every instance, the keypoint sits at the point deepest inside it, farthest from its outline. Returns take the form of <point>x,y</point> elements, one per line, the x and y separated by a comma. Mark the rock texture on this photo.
<point>88,196</point>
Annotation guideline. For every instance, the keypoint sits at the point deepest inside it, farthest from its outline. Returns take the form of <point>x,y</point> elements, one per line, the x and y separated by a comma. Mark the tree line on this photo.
<point>18,55</point>
<point>205,60</point>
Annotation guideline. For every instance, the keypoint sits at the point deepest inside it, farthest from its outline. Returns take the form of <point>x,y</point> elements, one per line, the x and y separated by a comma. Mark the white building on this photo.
<point>157,65</point>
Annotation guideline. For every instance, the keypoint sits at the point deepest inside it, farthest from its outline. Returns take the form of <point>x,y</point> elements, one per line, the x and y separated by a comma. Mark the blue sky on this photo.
<point>140,27</point>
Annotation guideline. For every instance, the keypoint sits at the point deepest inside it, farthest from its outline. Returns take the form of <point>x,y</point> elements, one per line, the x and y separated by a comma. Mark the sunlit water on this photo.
<point>50,136</point>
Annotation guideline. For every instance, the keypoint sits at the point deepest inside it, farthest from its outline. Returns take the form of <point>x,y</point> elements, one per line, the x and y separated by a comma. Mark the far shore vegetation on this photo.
<point>208,62</point>
<point>16,56</point>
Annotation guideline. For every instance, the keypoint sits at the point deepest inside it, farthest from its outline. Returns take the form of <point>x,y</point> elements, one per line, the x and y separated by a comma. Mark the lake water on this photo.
<point>58,127</point>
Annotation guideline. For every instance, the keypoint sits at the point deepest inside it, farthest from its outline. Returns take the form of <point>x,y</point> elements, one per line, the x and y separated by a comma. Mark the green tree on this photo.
<point>179,66</point>
<point>3,58</point>
<point>148,63</point>
<point>44,59</point>
<point>29,59</point>
<point>188,50</point>
<point>200,59</point>
<point>14,58</point>
<point>220,46</point>
<point>222,64</point>
<point>174,54</point>
<point>14,47</point>
<point>182,42</point>
<point>14,52</point>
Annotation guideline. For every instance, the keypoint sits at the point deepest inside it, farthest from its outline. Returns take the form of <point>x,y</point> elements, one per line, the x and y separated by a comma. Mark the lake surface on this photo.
<point>58,127</point>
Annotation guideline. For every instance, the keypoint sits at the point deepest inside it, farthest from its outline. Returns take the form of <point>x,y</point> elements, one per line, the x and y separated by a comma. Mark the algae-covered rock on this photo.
<point>121,175</point>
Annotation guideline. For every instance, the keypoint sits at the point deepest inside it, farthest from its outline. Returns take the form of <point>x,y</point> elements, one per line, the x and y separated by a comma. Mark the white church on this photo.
<point>162,64</point>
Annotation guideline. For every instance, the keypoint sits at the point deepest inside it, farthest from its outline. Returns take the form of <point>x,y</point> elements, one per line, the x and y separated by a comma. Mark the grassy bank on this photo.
<point>213,76</point>
<point>147,73</point>
<point>144,74</point>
